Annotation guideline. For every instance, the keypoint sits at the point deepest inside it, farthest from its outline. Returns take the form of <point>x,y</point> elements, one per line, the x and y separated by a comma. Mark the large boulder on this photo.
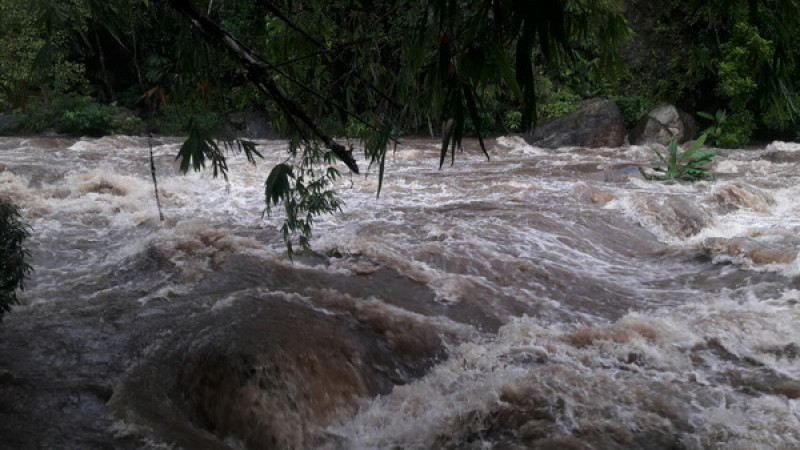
<point>596,123</point>
<point>251,125</point>
<point>663,124</point>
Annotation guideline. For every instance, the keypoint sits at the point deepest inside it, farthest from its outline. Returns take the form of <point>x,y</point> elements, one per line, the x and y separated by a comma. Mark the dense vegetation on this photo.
<point>735,60</point>
<point>377,69</point>
<point>13,268</point>
<point>87,67</point>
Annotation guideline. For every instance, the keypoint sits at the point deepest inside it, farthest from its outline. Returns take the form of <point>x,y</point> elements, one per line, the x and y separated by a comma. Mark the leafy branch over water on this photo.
<point>441,59</point>
<point>13,268</point>
<point>305,190</point>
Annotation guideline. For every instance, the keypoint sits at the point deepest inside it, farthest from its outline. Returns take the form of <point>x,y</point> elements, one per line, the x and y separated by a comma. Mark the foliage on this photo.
<point>734,55</point>
<point>19,43</point>
<point>512,120</point>
<point>180,117</point>
<point>126,123</point>
<point>200,147</point>
<point>13,268</point>
<point>324,68</point>
<point>555,100</point>
<point>76,115</point>
<point>31,63</point>
<point>729,131</point>
<point>718,125</point>
<point>634,107</point>
<point>81,115</point>
<point>738,130</point>
<point>689,164</point>
<point>305,190</point>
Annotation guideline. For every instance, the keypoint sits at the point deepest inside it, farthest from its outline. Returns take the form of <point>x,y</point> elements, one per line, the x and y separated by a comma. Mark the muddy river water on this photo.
<point>543,299</point>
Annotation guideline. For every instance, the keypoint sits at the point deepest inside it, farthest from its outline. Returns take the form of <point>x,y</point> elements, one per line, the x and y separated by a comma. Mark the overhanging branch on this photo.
<point>258,72</point>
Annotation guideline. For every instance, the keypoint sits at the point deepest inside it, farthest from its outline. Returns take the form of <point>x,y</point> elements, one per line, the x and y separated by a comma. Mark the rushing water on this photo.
<point>543,299</point>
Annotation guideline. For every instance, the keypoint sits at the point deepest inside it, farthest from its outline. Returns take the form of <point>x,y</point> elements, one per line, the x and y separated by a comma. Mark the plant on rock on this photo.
<point>690,164</point>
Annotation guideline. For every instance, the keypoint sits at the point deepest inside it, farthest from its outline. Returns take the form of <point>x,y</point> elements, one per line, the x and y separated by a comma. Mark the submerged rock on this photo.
<point>757,250</point>
<point>738,196</point>
<point>678,216</point>
<point>782,156</point>
<point>593,194</point>
<point>623,172</point>
<point>251,125</point>
<point>269,372</point>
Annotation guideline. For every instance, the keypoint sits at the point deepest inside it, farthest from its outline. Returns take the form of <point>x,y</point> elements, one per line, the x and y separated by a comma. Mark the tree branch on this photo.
<point>258,73</point>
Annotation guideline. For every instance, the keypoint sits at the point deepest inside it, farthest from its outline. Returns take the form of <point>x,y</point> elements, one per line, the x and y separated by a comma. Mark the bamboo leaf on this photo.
<point>705,115</point>
<point>191,154</point>
<point>278,187</point>
<point>476,119</point>
<point>506,71</point>
<point>249,149</point>
<point>447,135</point>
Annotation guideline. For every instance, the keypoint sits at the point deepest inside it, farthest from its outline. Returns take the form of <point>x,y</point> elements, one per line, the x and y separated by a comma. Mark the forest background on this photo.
<point>85,67</point>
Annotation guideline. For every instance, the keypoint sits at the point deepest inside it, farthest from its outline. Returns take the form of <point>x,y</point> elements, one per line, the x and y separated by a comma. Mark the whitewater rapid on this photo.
<point>542,299</point>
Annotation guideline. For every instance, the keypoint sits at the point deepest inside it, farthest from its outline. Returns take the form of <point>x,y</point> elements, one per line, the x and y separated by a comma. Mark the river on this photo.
<point>541,299</point>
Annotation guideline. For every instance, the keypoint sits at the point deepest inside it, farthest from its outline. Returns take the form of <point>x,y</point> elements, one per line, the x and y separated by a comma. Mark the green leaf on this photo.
<point>506,71</point>
<point>192,153</point>
<point>476,119</point>
<point>249,149</point>
<point>278,187</point>
<point>705,115</point>
<point>376,146</point>
<point>696,145</point>
<point>660,155</point>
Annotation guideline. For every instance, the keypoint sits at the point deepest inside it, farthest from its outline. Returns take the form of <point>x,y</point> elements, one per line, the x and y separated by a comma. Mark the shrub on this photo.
<point>717,127</point>
<point>13,268</point>
<point>691,164</point>
<point>76,115</point>
<point>738,129</point>
<point>83,116</point>
<point>512,120</point>
<point>123,123</point>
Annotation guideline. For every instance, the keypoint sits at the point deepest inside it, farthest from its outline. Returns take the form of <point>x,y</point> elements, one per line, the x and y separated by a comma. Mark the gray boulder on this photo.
<point>622,172</point>
<point>596,123</point>
<point>251,125</point>
<point>663,124</point>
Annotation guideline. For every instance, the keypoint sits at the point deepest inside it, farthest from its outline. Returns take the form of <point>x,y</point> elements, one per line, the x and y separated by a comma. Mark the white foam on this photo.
<point>516,144</point>
<point>784,146</point>
<point>592,376</point>
<point>487,233</point>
